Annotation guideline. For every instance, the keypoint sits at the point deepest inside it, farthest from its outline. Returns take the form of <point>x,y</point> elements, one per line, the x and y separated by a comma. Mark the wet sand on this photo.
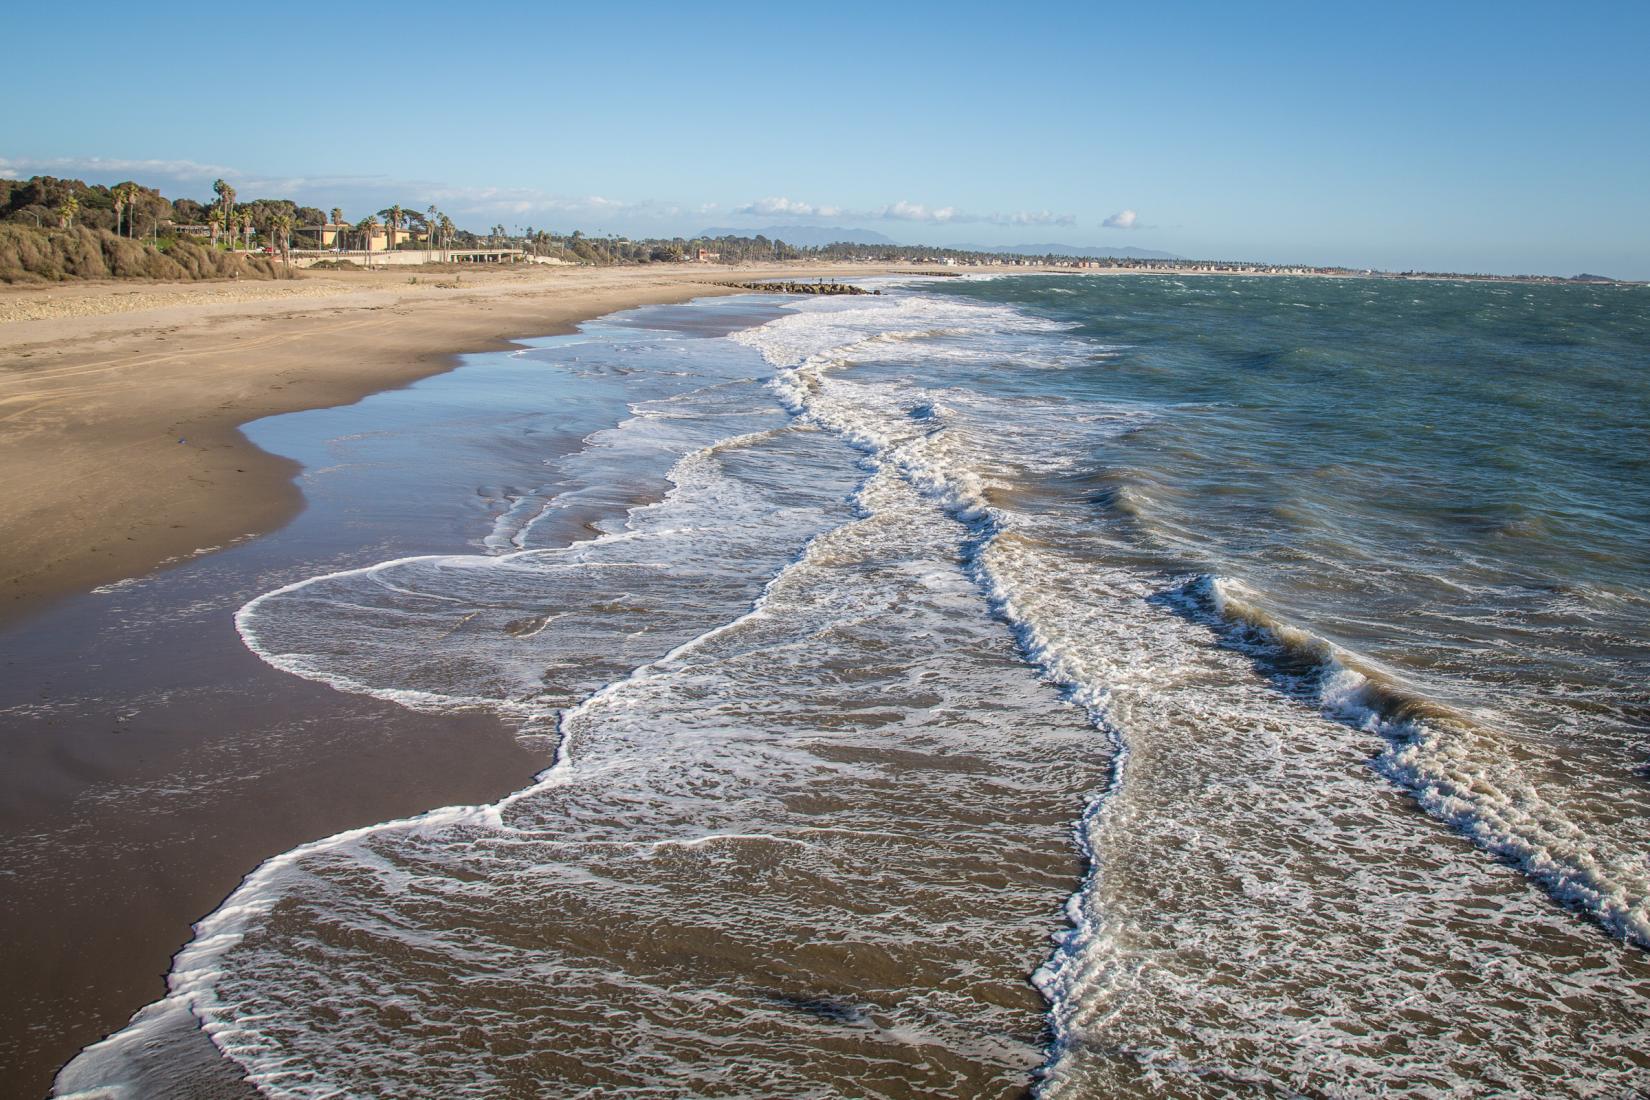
<point>130,812</point>
<point>153,761</point>
<point>120,403</point>
<point>808,951</point>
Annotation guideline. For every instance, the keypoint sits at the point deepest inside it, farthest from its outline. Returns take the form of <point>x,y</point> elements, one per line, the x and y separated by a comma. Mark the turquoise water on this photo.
<point>1101,685</point>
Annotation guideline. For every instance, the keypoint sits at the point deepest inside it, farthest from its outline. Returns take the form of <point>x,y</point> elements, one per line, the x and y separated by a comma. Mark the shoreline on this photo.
<point>330,818</point>
<point>123,435</point>
<point>122,402</point>
<point>114,700</point>
<point>168,761</point>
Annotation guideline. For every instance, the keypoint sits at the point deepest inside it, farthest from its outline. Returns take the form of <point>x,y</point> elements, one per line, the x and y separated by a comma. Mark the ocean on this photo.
<point>1096,686</point>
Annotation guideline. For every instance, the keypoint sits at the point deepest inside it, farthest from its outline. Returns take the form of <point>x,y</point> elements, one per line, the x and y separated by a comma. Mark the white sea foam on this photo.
<point>760,669</point>
<point>1449,772</point>
<point>1456,769</point>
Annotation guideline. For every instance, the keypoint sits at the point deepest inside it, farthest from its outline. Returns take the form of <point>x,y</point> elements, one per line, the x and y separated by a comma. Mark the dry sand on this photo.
<point>121,402</point>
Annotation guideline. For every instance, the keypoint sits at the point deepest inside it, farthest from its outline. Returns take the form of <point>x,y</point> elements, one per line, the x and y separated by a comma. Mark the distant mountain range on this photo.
<point>812,236</point>
<point>805,236</point>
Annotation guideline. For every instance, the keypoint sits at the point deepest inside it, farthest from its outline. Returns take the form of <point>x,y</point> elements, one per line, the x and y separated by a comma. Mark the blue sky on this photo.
<point>1463,136</point>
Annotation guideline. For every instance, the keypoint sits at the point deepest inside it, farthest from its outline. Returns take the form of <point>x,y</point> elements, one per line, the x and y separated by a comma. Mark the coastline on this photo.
<point>122,402</point>
<point>123,443</point>
<point>111,863</point>
<point>156,761</point>
<point>266,761</point>
<point>246,790</point>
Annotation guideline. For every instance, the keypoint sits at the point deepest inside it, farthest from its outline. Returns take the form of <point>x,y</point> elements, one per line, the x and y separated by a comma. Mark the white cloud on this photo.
<point>180,176</point>
<point>1123,219</point>
<point>770,207</point>
<point>473,205</point>
<point>1034,217</point>
<point>902,211</point>
<point>101,167</point>
<point>492,203</point>
<point>915,212</point>
<point>176,178</point>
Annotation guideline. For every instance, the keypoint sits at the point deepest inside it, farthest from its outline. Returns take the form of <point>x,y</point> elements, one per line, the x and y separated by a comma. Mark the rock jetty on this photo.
<point>802,288</point>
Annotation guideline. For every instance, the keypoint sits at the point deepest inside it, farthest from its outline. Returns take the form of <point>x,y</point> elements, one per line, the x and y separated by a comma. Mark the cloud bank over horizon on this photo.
<point>903,210</point>
<point>370,192</point>
<point>373,192</point>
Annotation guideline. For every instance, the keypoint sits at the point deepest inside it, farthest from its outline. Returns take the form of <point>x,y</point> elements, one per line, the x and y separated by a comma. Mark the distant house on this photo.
<point>706,256</point>
<point>344,235</point>
<point>321,236</point>
<point>186,230</point>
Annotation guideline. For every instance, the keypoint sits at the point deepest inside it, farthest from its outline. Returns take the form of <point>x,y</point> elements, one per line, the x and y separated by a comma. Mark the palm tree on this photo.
<point>119,195</point>
<point>368,226</point>
<point>337,226</point>
<point>392,222</point>
<point>67,210</point>
<point>226,197</point>
<point>280,232</point>
<point>132,193</point>
<point>246,229</point>
<point>447,235</point>
<point>215,220</point>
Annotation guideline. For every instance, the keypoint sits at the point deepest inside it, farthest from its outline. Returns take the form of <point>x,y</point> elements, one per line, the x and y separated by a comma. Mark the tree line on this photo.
<point>130,210</point>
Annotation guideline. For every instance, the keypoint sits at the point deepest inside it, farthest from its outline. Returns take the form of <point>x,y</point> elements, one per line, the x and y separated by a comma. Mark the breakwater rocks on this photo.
<point>803,288</point>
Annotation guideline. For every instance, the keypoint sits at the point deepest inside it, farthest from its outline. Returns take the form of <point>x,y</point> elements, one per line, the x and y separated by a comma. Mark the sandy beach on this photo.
<point>788,659</point>
<point>609,571</point>
<point>109,717</point>
<point>122,401</point>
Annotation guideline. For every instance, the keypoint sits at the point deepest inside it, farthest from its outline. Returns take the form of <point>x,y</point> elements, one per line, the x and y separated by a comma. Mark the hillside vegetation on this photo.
<point>28,254</point>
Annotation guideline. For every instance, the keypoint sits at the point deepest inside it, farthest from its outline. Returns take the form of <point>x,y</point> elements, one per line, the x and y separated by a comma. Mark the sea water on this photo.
<point>1098,685</point>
